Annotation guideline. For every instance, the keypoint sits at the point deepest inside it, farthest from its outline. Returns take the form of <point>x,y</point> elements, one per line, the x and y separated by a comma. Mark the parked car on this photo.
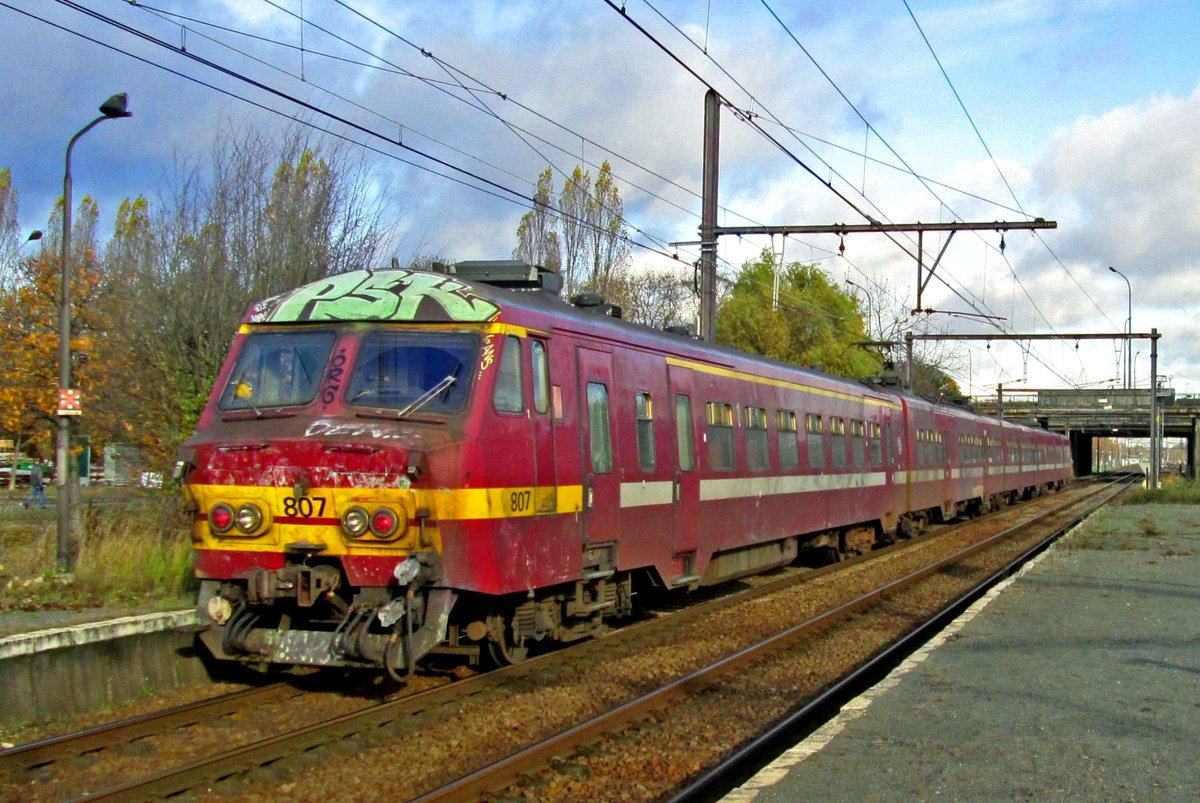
<point>24,464</point>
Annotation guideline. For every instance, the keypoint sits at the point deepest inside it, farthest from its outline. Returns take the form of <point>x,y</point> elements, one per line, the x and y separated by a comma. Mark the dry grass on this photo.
<point>132,548</point>
<point>1174,491</point>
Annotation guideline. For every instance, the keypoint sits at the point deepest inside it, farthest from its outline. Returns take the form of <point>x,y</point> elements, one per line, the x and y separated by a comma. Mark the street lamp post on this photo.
<point>870,304</point>
<point>111,109</point>
<point>1128,328</point>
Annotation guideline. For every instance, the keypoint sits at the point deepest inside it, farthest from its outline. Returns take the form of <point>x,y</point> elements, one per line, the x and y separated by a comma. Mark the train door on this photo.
<point>541,417</point>
<point>601,481</point>
<point>686,483</point>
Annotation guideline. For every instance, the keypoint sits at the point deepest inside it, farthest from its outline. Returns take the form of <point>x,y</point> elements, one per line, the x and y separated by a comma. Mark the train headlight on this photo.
<point>220,517</point>
<point>249,518</point>
<point>356,522</point>
<point>384,522</point>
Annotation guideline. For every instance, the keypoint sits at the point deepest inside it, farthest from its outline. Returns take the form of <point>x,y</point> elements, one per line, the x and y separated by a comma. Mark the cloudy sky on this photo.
<point>1086,114</point>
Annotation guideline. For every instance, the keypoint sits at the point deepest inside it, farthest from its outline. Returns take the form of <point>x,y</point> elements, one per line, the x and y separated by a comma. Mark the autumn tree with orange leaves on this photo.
<point>29,308</point>
<point>155,310</point>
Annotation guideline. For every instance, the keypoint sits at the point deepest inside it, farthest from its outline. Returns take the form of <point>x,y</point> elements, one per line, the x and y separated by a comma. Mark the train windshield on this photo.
<point>412,372</point>
<point>277,369</point>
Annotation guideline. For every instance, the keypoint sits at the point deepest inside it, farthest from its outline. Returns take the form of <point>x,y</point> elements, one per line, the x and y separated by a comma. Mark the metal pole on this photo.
<point>62,472</point>
<point>870,308</point>
<point>67,483</point>
<point>708,216</point>
<point>1128,330</point>
<point>1155,438</point>
<point>908,359</point>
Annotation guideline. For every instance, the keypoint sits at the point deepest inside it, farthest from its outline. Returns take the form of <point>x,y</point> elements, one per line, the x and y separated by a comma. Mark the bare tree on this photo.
<point>537,234</point>
<point>261,215</point>
<point>572,212</point>
<point>607,235</point>
<point>656,298</point>
<point>10,238</point>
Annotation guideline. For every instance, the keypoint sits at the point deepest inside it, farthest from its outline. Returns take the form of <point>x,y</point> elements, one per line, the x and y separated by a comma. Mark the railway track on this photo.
<point>532,771</point>
<point>562,724</point>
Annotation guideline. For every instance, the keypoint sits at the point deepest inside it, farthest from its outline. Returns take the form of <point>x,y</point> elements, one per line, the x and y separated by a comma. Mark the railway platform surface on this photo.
<point>1080,680</point>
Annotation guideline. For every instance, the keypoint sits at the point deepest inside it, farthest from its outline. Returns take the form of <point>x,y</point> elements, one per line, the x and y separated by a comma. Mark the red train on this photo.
<point>397,463</point>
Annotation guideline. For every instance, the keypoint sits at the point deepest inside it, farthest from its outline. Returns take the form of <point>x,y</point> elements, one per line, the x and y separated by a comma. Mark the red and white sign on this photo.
<point>69,402</point>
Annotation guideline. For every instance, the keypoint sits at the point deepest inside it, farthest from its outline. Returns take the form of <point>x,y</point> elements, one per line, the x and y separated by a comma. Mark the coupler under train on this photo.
<point>304,615</point>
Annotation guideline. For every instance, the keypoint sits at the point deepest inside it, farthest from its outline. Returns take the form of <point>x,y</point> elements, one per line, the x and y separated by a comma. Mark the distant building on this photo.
<point>123,463</point>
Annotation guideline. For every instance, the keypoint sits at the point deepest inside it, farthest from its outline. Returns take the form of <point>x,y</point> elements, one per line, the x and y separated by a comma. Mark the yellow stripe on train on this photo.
<point>442,503</point>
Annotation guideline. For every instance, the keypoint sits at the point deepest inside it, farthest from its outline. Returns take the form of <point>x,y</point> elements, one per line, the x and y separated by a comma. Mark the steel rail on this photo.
<point>499,774</point>
<point>47,751</point>
<point>213,769</point>
<point>749,759</point>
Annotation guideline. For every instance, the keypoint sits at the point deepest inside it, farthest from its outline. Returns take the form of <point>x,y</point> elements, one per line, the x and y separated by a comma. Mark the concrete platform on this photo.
<point>60,663</point>
<point>1080,680</point>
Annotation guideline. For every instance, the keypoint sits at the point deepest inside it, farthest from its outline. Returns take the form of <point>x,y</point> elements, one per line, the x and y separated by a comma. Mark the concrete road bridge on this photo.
<point>1089,414</point>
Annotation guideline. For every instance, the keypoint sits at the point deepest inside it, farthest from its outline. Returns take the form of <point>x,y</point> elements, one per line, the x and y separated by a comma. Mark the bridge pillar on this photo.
<point>1193,449</point>
<point>1081,453</point>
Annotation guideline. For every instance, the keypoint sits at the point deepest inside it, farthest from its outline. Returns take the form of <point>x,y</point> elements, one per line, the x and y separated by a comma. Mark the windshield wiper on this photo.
<point>247,394</point>
<point>427,396</point>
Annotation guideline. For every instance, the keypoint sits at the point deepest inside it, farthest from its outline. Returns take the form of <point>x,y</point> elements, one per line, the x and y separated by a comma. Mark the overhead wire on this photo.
<point>915,174</point>
<point>748,118</point>
<point>291,98</point>
<point>892,150</point>
<point>394,68</point>
<point>824,73</point>
<point>999,171</point>
<point>457,76</point>
<point>491,188</point>
<point>481,86</point>
<point>910,171</point>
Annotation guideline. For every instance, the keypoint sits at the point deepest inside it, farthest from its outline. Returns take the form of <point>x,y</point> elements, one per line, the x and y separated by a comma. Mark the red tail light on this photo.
<point>384,522</point>
<point>220,518</point>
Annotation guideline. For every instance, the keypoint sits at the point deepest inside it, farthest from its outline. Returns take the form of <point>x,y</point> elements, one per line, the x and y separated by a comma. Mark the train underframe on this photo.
<point>307,615</point>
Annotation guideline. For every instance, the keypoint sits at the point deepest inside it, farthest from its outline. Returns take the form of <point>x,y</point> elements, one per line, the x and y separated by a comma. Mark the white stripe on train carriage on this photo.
<point>640,494</point>
<point>643,494</point>
<point>753,487</point>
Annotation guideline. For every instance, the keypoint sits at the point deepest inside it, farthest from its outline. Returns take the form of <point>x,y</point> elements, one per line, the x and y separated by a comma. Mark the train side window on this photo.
<point>645,431</point>
<point>876,439</point>
<point>785,428</point>
<point>599,433</point>
<point>815,440</point>
<point>539,365</point>
<point>720,435</point>
<point>758,454</point>
<point>858,444</point>
<point>837,441</point>
<point>508,396</point>
<point>683,431</point>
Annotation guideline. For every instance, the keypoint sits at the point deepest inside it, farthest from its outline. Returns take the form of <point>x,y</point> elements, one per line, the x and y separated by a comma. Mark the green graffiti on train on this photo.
<point>384,295</point>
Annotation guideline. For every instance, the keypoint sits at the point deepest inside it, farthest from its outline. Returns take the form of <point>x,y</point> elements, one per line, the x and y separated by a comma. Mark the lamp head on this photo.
<point>36,234</point>
<point>116,106</point>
